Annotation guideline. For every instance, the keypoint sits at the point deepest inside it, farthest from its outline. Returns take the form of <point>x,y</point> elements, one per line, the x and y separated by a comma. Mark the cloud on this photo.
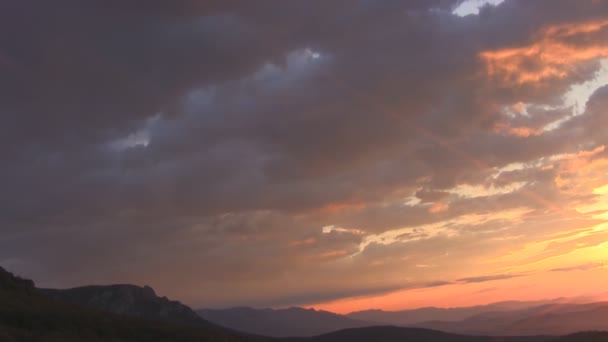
<point>154,138</point>
<point>581,267</point>
<point>482,279</point>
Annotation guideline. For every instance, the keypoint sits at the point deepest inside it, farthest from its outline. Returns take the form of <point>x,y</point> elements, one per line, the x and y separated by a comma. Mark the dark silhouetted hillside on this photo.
<point>128,300</point>
<point>398,334</point>
<point>27,314</point>
<point>585,337</point>
<point>280,323</point>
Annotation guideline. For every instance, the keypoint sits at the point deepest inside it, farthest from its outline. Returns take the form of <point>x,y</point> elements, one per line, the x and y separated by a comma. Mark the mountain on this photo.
<point>398,334</point>
<point>550,319</point>
<point>280,323</point>
<point>416,316</point>
<point>130,300</point>
<point>585,337</point>
<point>28,314</point>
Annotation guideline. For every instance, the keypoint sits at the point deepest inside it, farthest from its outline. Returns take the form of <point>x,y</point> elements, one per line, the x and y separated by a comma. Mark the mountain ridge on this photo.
<point>288,322</point>
<point>415,316</point>
<point>28,314</point>
<point>552,319</point>
<point>126,299</point>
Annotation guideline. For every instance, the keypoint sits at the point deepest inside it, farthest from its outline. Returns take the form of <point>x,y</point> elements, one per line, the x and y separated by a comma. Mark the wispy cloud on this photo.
<point>482,279</point>
<point>582,267</point>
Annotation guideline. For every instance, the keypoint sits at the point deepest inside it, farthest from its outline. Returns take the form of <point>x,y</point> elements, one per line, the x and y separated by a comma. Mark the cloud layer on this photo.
<point>232,153</point>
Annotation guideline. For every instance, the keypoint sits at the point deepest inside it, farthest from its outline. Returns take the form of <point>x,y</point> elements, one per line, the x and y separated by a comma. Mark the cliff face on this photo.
<point>10,282</point>
<point>130,300</point>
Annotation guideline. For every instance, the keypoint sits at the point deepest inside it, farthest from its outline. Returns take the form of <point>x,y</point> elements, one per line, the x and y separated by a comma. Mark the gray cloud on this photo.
<point>581,267</point>
<point>482,279</point>
<point>144,135</point>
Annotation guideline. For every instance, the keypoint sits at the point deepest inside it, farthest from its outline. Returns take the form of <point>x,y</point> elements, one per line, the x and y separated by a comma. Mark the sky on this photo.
<point>341,155</point>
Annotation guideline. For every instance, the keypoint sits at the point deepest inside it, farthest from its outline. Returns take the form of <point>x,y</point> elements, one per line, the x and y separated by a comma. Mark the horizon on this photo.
<point>587,298</point>
<point>341,156</point>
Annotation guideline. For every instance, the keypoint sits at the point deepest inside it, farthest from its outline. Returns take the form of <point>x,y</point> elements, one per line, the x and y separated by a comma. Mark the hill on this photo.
<point>398,334</point>
<point>585,337</point>
<point>291,322</point>
<point>416,316</point>
<point>129,300</point>
<point>550,319</point>
<point>27,314</point>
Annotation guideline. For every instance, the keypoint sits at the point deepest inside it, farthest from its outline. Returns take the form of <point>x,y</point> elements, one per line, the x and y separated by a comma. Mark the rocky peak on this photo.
<point>129,300</point>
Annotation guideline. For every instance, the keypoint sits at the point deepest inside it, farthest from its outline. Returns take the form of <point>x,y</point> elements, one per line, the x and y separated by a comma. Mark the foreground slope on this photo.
<point>291,322</point>
<point>26,314</point>
<point>585,337</point>
<point>398,334</point>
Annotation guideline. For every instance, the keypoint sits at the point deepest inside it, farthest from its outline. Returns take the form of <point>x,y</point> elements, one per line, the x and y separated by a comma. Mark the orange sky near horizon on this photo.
<point>571,262</point>
<point>584,286</point>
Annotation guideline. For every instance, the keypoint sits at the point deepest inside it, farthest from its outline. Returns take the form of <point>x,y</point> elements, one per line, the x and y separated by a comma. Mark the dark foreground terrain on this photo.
<point>90,314</point>
<point>27,314</point>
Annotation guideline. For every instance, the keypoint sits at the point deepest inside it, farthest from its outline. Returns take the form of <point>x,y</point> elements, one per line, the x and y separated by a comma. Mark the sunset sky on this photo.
<point>335,154</point>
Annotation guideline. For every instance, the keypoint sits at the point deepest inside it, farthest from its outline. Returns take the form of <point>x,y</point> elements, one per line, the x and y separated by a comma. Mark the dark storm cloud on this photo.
<point>127,63</point>
<point>141,135</point>
<point>125,66</point>
<point>97,68</point>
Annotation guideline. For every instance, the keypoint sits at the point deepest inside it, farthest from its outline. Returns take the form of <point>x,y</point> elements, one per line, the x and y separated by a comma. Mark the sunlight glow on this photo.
<point>473,191</point>
<point>602,190</point>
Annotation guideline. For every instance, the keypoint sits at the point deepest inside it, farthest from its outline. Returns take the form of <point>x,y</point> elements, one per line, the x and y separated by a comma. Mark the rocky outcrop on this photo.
<point>128,300</point>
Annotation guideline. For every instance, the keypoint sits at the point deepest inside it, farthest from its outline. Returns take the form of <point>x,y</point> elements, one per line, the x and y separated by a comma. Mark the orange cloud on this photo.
<point>582,172</point>
<point>337,207</point>
<point>552,56</point>
<point>571,29</point>
<point>521,131</point>
<point>519,107</point>
<point>305,242</point>
<point>438,207</point>
<point>331,254</point>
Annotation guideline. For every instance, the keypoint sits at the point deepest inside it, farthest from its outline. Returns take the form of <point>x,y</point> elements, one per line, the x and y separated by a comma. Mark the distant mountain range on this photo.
<point>398,334</point>
<point>511,318</point>
<point>421,315</point>
<point>281,323</point>
<point>129,313</point>
<point>548,319</point>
